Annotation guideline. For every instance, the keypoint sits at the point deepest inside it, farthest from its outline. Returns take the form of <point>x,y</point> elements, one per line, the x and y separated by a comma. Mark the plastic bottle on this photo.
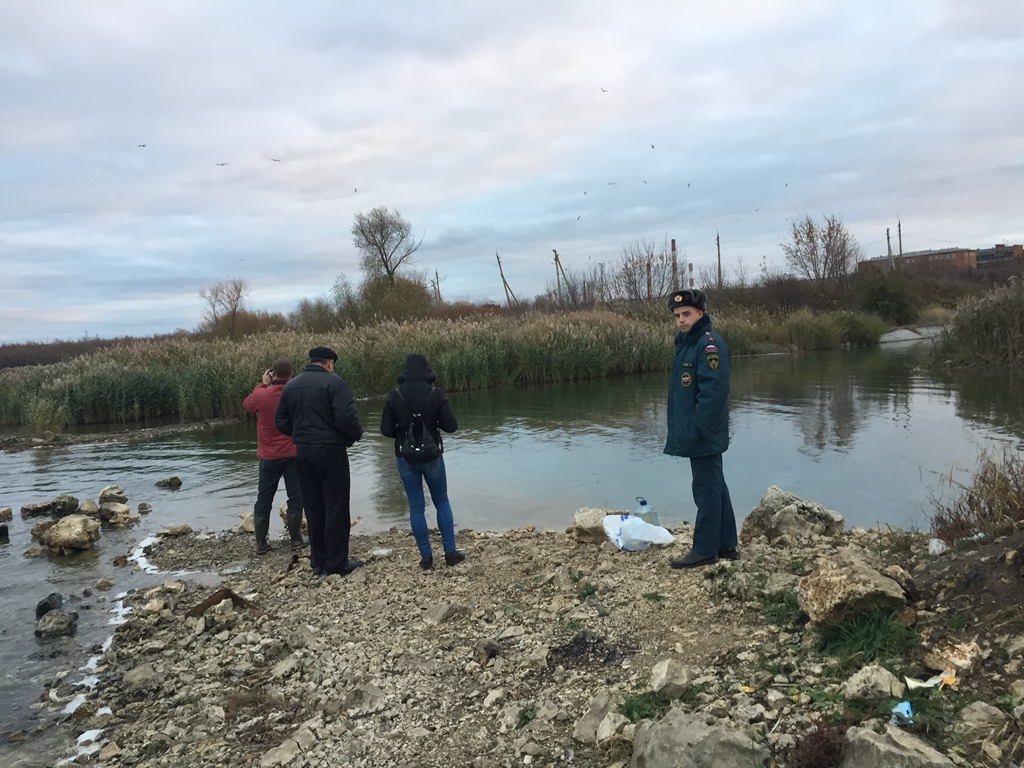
<point>646,512</point>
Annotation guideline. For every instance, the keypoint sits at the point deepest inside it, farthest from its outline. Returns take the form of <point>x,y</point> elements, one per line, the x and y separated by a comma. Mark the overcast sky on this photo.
<point>511,126</point>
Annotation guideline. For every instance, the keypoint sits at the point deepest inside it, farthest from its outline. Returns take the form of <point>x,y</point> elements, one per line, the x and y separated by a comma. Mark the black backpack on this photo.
<point>417,444</point>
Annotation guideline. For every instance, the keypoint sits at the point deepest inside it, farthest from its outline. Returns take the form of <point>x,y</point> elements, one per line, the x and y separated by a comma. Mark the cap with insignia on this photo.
<point>690,297</point>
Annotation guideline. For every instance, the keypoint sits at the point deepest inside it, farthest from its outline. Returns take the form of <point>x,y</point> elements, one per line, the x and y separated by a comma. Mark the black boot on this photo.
<point>262,546</point>
<point>295,528</point>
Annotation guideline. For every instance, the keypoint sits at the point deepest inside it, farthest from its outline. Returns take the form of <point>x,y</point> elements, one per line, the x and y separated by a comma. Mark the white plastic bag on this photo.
<point>632,534</point>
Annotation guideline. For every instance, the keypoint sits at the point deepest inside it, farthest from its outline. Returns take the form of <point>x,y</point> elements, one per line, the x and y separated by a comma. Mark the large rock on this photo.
<point>63,505</point>
<point>57,624</point>
<point>73,533</point>
<point>871,683</point>
<point>670,678</point>
<point>53,602</point>
<point>844,587</point>
<point>117,515</point>
<point>894,747</point>
<point>782,514</point>
<point>588,524</point>
<point>113,493</point>
<point>37,509</point>
<point>684,740</point>
<point>89,507</point>
<point>603,704</point>
<point>6,515</point>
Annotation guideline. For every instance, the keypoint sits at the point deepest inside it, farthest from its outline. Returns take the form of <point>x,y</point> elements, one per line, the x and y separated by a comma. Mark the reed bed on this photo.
<point>193,380</point>
<point>986,330</point>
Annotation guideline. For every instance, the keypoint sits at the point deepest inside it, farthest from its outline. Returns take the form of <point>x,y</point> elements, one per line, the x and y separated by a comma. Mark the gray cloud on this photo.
<point>484,124</point>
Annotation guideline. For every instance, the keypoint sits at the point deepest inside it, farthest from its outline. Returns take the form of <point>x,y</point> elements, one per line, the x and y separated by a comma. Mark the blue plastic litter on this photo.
<point>902,714</point>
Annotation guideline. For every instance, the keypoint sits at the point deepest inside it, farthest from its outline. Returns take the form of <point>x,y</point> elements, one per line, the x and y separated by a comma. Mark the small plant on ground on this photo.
<point>823,747</point>
<point>784,611</point>
<point>526,715</point>
<point>956,622</point>
<point>586,591</point>
<point>645,706</point>
<point>865,638</point>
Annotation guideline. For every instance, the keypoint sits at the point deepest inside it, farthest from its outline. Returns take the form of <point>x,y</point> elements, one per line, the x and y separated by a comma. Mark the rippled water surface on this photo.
<point>868,434</point>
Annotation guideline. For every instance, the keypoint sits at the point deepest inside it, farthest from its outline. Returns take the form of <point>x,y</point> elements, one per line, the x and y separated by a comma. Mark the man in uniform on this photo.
<point>318,412</point>
<point>698,425</point>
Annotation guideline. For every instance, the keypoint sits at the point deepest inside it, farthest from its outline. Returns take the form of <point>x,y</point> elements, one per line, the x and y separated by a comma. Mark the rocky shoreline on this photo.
<point>552,648</point>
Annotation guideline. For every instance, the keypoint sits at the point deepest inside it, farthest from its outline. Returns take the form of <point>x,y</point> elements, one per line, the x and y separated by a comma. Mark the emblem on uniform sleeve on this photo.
<point>710,348</point>
<point>713,362</point>
<point>686,379</point>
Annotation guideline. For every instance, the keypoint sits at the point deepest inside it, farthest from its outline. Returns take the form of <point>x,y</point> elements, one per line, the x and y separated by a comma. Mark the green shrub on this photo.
<point>890,295</point>
<point>859,330</point>
<point>986,330</point>
<point>809,332</point>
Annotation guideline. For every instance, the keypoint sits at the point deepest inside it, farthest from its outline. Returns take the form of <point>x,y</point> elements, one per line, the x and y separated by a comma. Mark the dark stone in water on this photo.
<point>53,602</point>
<point>3,531</point>
<point>169,482</point>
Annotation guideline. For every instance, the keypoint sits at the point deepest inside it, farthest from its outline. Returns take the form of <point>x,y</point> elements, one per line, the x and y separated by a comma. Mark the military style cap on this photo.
<point>689,297</point>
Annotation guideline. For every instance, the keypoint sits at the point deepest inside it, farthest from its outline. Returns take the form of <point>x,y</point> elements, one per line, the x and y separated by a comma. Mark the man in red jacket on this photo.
<point>276,453</point>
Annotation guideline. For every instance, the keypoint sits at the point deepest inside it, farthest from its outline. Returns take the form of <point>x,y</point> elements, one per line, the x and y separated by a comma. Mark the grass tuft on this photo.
<point>865,638</point>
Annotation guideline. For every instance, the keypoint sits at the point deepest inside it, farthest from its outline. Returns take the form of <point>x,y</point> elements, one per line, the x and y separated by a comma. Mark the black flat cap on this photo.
<point>323,353</point>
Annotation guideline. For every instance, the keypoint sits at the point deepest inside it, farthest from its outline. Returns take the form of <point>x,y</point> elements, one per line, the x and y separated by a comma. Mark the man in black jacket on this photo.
<point>317,410</point>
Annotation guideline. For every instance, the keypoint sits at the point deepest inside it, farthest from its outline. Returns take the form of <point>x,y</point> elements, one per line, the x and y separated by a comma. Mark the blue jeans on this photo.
<point>413,476</point>
<point>271,472</point>
<point>715,527</point>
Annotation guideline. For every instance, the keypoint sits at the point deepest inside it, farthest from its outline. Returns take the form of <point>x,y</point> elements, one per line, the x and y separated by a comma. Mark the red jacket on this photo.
<point>270,443</point>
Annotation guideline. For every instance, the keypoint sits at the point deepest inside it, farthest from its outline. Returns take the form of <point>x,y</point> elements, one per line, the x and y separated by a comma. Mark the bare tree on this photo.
<point>384,240</point>
<point>225,302</point>
<point>646,271</point>
<point>825,253</point>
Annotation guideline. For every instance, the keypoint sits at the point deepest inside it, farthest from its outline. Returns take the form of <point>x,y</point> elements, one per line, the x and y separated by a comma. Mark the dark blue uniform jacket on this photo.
<point>698,391</point>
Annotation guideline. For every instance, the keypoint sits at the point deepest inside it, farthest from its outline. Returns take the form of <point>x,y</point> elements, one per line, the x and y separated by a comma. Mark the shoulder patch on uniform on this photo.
<point>710,348</point>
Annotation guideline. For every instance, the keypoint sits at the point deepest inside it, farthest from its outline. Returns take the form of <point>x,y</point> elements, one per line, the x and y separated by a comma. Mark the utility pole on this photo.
<point>437,289</point>
<point>888,244</point>
<point>718,245</point>
<point>510,298</point>
<point>899,229</point>
<point>559,274</point>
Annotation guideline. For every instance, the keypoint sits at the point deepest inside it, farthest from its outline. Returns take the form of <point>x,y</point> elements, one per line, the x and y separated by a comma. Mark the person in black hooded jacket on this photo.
<point>416,393</point>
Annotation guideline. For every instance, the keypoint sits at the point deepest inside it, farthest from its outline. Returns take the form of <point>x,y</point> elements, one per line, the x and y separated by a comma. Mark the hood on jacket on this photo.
<point>416,369</point>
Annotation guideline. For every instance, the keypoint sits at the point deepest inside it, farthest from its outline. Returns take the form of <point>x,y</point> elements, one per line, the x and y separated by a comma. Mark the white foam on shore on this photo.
<point>138,555</point>
<point>86,745</point>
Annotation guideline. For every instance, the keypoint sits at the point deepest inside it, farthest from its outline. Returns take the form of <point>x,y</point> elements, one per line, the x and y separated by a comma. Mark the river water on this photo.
<point>869,434</point>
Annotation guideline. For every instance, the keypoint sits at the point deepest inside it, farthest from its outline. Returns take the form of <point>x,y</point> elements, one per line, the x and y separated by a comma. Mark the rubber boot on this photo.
<point>295,528</point>
<point>261,524</point>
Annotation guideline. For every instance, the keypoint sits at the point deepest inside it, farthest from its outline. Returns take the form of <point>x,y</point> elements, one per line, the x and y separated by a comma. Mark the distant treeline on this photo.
<point>47,353</point>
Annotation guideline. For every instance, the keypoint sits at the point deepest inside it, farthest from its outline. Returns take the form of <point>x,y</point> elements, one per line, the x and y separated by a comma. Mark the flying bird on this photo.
<point>578,217</point>
<point>756,210</point>
<point>645,181</point>
<point>274,160</point>
<point>356,189</point>
<point>652,146</point>
<point>687,185</point>
<point>604,90</point>
<point>221,164</point>
<point>142,145</point>
<point>610,183</point>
